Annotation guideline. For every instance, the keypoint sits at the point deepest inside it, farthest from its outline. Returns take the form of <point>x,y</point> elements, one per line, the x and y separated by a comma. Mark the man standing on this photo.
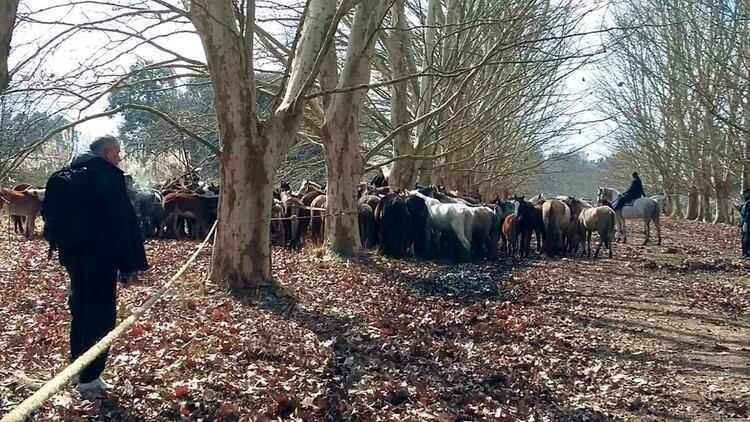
<point>634,192</point>
<point>746,224</point>
<point>112,243</point>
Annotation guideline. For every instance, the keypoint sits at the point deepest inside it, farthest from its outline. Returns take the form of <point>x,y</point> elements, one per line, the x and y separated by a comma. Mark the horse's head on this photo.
<point>4,195</point>
<point>518,203</point>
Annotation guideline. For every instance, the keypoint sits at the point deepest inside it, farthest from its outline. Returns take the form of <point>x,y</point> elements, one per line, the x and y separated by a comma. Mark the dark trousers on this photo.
<point>746,243</point>
<point>92,299</point>
<point>620,202</point>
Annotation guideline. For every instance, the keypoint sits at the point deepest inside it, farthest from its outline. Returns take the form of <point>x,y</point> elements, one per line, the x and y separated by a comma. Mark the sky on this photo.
<point>76,52</point>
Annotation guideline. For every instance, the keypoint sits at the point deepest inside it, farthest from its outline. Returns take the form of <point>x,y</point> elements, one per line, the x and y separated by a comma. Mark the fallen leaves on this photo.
<point>379,339</point>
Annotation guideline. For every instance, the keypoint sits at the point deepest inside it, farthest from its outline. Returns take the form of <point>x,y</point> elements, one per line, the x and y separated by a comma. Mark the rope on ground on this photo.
<point>53,386</point>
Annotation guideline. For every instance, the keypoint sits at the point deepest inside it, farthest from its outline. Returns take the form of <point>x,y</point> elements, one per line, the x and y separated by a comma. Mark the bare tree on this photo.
<point>8,10</point>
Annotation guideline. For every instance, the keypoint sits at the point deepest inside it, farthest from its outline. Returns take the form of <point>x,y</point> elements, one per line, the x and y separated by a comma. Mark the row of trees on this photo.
<point>468,94</point>
<point>678,89</point>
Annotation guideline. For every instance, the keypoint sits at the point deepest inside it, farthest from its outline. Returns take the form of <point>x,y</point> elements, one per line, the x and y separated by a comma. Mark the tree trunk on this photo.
<point>676,202</point>
<point>242,255</point>
<point>673,195</point>
<point>8,9</point>
<point>343,160</point>
<point>693,197</point>
<point>705,214</point>
<point>693,201</point>
<point>250,150</point>
<point>341,131</point>
<point>722,201</point>
<point>402,172</point>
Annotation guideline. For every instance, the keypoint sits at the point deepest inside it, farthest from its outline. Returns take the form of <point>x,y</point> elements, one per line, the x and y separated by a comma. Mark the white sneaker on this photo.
<point>95,388</point>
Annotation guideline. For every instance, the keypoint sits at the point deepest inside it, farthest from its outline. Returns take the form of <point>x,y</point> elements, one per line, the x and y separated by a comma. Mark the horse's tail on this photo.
<point>468,229</point>
<point>496,227</point>
<point>548,221</point>
<point>609,231</point>
<point>657,213</point>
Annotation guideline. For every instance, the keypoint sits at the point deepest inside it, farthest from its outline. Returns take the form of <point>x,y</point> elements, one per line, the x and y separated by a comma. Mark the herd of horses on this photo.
<point>182,207</point>
<point>426,222</point>
<point>432,222</point>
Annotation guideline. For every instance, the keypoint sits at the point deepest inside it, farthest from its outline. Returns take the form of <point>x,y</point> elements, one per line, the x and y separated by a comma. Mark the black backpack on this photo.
<point>65,211</point>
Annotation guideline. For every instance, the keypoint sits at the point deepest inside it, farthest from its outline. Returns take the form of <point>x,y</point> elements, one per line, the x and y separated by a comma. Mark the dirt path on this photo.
<point>679,311</point>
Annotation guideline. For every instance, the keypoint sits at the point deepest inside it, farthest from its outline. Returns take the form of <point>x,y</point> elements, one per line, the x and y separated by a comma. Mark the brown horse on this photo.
<point>510,234</point>
<point>574,233</point>
<point>485,227</point>
<point>277,228</point>
<point>291,207</point>
<point>556,218</point>
<point>200,208</point>
<point>529,221</point>
<point>22,205</point>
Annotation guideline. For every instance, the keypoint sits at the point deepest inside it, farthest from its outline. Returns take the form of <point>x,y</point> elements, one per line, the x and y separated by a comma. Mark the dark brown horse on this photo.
<point>529,221</point>
<point>291,210</point>
<point>200,208</point>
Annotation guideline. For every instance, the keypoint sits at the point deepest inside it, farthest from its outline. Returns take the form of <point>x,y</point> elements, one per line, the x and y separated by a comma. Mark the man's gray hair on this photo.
<point>101,142</point>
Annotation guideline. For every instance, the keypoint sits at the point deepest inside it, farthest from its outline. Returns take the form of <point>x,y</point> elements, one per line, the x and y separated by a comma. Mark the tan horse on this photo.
<point>601,220</point>
<point>22,205</point>
<point>574,232</point>
<point>556,218</point>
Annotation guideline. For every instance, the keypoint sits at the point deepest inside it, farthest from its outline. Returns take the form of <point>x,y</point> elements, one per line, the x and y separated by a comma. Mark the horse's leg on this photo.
<point>30,226</point>
<point>599,245</point>
<point>176,228</point>
<point>538,241</point>
<point>657,223</point>
<point>646,229</point>
<point>33,225</point>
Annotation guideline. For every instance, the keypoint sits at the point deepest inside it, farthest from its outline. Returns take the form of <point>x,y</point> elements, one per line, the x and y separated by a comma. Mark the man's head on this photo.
<point>107,147</point>
<point>635,175</point>
<point>380,172</point>
<point>746,194</point>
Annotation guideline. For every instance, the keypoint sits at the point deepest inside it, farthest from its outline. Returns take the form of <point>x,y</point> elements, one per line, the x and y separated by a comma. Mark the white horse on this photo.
<point>646,209</point>
<point>457,218</point>
<point>665,205</point>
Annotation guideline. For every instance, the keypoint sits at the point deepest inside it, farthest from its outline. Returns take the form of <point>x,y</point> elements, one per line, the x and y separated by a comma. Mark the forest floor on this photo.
<point>658,333</point>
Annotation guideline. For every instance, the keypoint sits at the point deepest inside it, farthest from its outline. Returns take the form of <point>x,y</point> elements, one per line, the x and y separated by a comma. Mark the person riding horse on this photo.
<point>380,180</point>
<point>634,192</point>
